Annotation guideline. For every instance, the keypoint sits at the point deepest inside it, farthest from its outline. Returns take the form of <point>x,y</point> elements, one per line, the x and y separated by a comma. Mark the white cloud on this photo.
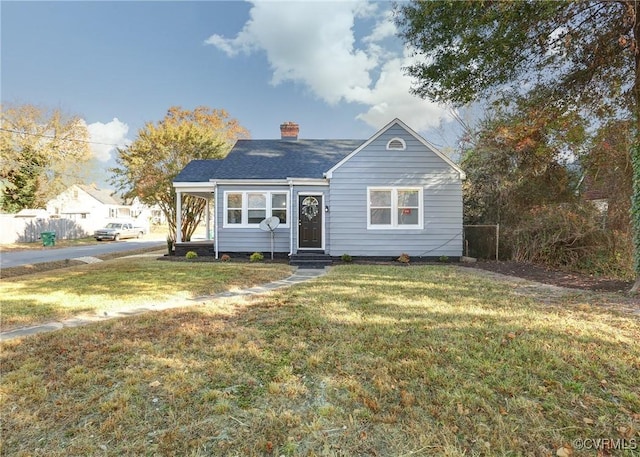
<point>384,28</point>
<point>390,98</point>
<point>106,137</point>
<point>309,43</point>
<point>314,44</point>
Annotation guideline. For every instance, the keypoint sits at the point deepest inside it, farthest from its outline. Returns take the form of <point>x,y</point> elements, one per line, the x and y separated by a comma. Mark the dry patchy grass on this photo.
<point>376,361</point>
<point>127,281</point>
<point>59,243</point>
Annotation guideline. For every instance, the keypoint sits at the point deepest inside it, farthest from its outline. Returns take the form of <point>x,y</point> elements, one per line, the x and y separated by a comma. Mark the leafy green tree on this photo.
<point>147,167</point>
<point>43,152</point>
<point>583,54</point>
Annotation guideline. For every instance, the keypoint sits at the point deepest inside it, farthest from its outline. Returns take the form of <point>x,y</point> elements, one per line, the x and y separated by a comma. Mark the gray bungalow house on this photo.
<point>390,194</point>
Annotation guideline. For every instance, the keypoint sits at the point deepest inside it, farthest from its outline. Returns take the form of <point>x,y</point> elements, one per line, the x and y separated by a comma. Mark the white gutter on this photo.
<point>256,182</point>
<point>192,185</point>
<point>273,182</point>
<point>308,181</point>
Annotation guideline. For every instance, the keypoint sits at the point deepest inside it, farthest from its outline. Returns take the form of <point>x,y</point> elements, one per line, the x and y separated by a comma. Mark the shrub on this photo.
<point>346,258</point>
<point>225,258</point>
<point>191,255</point>
<point>256,257</point>
<point>404,258</point>
<point>555,235</point>
<point>443,259</point>
<point>570,236</point>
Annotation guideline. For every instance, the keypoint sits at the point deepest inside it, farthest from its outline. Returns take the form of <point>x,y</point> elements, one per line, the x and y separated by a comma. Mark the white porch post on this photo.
<point>178,216</point>
<point>215,219</point>
<point>207,218</point>
<point>290,216</point>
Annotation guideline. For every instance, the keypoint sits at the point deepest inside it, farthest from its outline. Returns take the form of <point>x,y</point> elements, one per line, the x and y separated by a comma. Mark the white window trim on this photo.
<point>245,207</point>
<point>404,144</point>
<point>394,209</point>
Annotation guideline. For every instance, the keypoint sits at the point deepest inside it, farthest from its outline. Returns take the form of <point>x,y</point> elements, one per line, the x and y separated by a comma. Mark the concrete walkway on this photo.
<point>299,275</point>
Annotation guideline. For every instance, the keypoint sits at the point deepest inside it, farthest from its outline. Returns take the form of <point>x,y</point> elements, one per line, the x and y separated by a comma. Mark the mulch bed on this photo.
<point>554,277</point>
<point>522,270</point>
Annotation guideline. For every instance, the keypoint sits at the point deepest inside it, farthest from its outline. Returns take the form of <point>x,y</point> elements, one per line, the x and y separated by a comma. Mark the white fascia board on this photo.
<point>308,181</point>
<point>250,182</point>
<point>412,132</point>
<point>193,186</point>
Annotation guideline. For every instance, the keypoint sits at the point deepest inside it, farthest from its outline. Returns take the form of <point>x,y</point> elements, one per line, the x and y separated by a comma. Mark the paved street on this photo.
<point>45,254</point>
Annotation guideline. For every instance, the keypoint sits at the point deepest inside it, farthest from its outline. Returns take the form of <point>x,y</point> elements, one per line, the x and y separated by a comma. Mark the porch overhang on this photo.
<point>197,189</point>
<point>204,190</point>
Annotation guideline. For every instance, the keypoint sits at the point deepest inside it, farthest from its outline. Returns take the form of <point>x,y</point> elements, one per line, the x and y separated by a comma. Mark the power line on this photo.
<point>57,137</point>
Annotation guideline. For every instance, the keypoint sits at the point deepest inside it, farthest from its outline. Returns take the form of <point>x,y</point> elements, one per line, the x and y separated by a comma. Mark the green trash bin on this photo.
<point>48,238</point>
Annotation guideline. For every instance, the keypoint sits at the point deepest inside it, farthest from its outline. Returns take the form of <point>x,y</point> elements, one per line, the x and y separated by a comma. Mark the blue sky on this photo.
<point>334,67</point>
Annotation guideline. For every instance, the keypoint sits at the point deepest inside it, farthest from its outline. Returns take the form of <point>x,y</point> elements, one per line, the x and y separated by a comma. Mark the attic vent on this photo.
<point>396,144</point>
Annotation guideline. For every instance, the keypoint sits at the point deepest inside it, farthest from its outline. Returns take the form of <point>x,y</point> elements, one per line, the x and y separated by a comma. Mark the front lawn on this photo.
<point>366,361</point>
<point>127,281</point>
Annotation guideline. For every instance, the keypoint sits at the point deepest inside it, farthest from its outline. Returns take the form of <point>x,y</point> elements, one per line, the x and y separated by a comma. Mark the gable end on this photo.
<point>409,130</point>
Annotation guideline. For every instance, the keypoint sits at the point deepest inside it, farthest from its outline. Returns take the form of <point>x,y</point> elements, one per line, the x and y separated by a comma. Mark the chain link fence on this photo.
<point>482,241</point>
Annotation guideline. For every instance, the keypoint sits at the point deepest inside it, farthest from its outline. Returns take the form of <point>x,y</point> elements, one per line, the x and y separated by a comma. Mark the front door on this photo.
<point>310,221</point>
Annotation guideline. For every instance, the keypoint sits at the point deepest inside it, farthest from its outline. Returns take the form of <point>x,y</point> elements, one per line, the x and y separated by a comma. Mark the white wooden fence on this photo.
<point>27,229</point>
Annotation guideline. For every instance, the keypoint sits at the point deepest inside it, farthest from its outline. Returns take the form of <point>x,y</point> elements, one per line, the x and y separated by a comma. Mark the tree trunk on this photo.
<point>635,151</point>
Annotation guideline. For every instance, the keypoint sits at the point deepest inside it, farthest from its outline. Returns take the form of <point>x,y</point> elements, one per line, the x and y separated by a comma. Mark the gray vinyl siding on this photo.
<point>375,166</point>
<point>250,239</point>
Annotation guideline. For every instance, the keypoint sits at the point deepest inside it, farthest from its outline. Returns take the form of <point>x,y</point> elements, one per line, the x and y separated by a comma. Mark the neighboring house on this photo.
<point>91,207</point>
<point>393,193</point>
<point>595,193</point>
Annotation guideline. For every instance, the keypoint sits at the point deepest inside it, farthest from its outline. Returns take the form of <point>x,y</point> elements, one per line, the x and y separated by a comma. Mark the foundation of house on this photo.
<point>202,248</point>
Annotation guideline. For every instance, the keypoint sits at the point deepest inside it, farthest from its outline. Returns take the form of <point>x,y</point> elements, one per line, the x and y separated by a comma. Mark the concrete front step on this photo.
<point>310,260</point>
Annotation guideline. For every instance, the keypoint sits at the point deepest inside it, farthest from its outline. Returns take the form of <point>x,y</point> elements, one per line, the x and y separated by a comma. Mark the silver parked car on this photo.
<point>117,231</point>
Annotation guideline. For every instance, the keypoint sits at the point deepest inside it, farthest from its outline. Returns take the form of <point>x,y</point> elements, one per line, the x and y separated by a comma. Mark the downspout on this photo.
<point>215,219</point>
<point>291,225</point>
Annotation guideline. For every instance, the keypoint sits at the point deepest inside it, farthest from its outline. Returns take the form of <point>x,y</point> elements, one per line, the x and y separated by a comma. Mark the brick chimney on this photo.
<point>289,130</point>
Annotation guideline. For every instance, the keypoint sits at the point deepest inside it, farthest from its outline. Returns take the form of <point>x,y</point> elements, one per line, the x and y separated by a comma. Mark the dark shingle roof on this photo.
<point>271,159</point>
<point>200,170</point>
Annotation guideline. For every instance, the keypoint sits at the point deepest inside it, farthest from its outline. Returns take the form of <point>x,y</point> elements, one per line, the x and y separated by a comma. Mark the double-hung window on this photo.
<point>256,207</point>
<point>248,209</point>
<point>394,208</point>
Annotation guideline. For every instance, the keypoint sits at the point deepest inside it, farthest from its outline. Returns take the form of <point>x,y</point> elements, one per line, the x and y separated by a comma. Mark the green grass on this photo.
<point>368,360</point>
<point>130,281</point>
